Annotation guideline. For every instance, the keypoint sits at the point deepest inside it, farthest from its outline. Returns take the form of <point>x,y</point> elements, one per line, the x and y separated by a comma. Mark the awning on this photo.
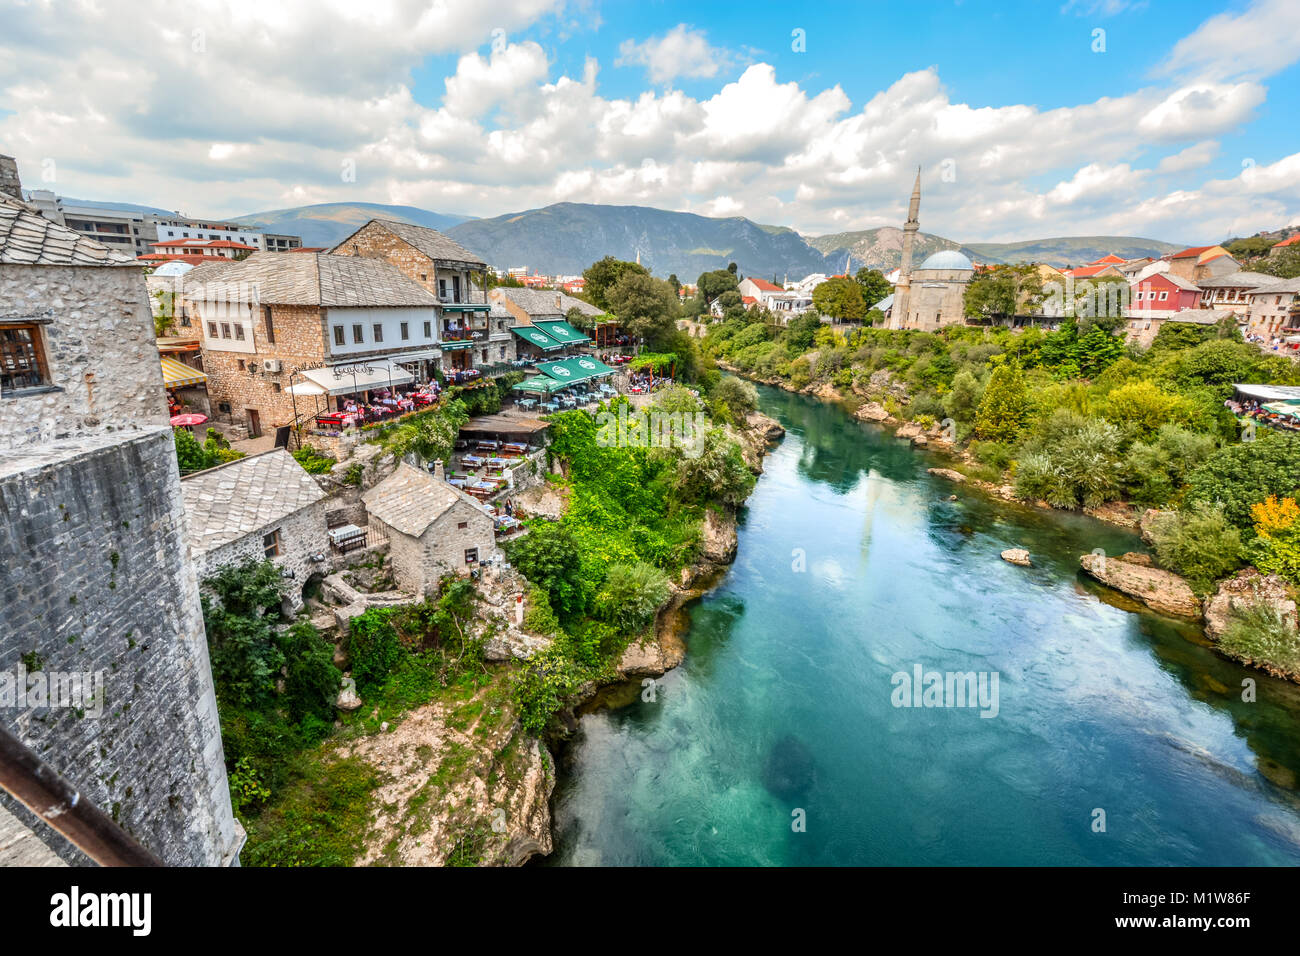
<point>1269,393</point>
<point>574,370</point>
<point>534,335</point>
<point>352,377</point>
<point>178,374</point>
<point>457,344</point>
<point>404,357</point>
<point>562,331</point>
<point>539,384</point>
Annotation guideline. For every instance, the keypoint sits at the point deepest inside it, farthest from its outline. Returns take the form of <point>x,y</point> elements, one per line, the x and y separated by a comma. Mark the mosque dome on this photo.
<point>948,259</point>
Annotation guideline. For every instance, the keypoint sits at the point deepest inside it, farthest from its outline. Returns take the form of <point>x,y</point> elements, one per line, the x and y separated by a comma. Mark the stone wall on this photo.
<point>99,344</point>
<point>95,579</point>
<point>10,185</point>
<point>418,563</point>
<point>299,343</point>
<point>302,537</point>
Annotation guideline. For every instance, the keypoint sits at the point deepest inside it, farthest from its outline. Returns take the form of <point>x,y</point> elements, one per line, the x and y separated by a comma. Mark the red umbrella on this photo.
<point>185,421</point>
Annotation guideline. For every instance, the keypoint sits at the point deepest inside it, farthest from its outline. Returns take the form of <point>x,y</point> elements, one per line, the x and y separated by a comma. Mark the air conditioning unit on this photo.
<point>270,365</point>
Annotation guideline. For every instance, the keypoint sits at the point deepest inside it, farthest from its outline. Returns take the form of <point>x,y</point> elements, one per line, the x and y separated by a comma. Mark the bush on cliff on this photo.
<point>1199,543</point>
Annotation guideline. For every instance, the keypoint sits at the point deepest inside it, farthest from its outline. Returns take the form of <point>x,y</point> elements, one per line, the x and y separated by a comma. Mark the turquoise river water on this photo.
<point>785,707</point>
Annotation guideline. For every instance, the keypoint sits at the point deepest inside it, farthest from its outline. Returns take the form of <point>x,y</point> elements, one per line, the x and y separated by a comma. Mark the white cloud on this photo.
<point>681,51</point>
<point>261,118</point>
<point>1255,42</point>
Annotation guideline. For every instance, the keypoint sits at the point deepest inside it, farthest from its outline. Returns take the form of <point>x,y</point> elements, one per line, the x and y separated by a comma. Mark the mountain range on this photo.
<point>565,238</point>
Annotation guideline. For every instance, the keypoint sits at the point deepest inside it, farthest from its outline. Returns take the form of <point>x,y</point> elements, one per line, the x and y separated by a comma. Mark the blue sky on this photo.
<point>1181,128</point>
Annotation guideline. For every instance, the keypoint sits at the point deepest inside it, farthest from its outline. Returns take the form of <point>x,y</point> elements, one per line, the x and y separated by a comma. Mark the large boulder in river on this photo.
<point>718,537</point>
<point>1016,556</point>
<point>1162,591</point>
<point>947,473</point>
<point>1246,589</point>
<point>873,412</point>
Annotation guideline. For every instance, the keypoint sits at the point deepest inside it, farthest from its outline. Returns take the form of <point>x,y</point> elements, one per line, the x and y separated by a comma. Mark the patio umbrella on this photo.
<point>188,419</point>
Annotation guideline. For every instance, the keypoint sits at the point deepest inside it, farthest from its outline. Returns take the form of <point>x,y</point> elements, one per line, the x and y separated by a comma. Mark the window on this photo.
<point>241,365</point>
<point>22,357</point>
<point>212,330</point>
<point>428,330</point>
<point>225,330</point>
<point>271,544</point>
<point>239,331</point>
<point>358,335</point>
<point>406,331</point>
<point>462,525</point>
<point>270,326</point>
<point>1164,295</point>
<point>339,338</point>
<point>424,277</point>
<point>379,332</point>
<point>471,555</point>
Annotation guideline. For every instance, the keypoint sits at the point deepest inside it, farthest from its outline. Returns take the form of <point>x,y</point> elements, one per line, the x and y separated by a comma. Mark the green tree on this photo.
<point>645,306</point>
<point>601,277</point>
<point>1199,544</point>
<point>549,557</point>
<point>1004,406</point>
<point>429,436</point>
<point>874,285</point>
<point>1241,475</point>
<point>710,285</point>
<point>1002,290</point>
<point>840,298</point>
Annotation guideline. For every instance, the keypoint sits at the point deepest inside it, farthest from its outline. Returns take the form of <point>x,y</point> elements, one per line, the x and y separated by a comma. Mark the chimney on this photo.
<point>10,185</point>
<point>438,470</point>
<point>559,298</point>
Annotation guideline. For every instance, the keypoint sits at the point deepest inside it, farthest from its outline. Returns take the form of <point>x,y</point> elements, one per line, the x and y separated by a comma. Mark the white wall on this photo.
<point>233,317</point>
<point>391,321</point>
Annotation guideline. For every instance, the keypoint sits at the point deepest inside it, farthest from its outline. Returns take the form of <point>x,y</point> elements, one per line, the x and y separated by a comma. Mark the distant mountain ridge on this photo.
<point>324,224</point>
<point>565,238</point>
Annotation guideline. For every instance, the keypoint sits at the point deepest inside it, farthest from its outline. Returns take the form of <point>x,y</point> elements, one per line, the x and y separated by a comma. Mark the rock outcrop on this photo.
<point>1246,589</point>
<point>874,412</point>
<point>1016,556</point>
<point>1162,591</point>
<point>947,473</point>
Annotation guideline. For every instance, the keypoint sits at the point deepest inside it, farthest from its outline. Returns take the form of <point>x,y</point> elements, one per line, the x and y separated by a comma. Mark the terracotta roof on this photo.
<point>242,497</point>
<point>1191,251</point>
<point>429,241</point>
<point>764,284</point>
<point>289,278</point>
<point>29,239</point>
<point>1289,241</point>
<point>1110,259</point>
<point>410,500</point>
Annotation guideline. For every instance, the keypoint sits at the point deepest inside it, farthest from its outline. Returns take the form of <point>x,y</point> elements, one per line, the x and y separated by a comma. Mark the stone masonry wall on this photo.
<point>95,577</point>
<point>299,343</point>
<point>302,536</point>
<point>100,348</point>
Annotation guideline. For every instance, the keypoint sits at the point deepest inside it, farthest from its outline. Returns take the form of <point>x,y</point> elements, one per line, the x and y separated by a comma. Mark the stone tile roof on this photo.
<point>233,500</point>
<point>428,241</point>
<point>28,238</point>
<point>1201,316</point>
<point>543,301</point>
<point>1237,280</point>
<point>289,278</point>
<point>410,500</point>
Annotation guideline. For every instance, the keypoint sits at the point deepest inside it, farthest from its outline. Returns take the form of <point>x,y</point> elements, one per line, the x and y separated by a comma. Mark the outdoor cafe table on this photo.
<point>527,402</point>
<point>498,463</point>
<point>550,406</point>
<point>456,482</point>
<point>517,448</point>
<point>474,461</point>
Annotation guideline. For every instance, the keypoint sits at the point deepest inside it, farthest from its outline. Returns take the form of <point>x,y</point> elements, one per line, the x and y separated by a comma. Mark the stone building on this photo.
<point>95,580</point>
<point>1142,329</point>
<point>432,528</point>
<point>1274,307</point>
<point>543,310</point>
<point>932,295</point>
<point>275,315</point>
<point>262,507</point>
<point>457,277</point>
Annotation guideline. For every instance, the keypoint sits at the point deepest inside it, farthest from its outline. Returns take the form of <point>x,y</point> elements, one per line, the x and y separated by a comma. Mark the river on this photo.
<point>1119,737</point>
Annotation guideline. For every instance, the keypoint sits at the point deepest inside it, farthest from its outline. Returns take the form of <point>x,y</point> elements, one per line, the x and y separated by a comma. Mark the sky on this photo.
<point>1167,120</point>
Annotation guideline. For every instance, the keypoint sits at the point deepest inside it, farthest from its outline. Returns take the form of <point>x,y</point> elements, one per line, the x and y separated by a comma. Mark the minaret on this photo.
<point>902,291</point>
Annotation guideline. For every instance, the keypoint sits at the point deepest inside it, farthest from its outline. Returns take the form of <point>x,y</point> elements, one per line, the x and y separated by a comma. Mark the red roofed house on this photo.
<point>1202,262</point>
<point>1163,294</point>
<point>1096,271</point>
<point>194,251</point>
<point>1108,260</point>
<point>1292,243</point>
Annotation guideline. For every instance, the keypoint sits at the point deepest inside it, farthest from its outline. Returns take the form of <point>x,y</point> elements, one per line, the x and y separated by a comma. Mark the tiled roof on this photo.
<point>410,500</point>
<point>1237,280</point>
<point>1200,316</point>
<point>429,241</point>
<point>28,238</point>
<point>539,302</point>
<point>1178,281</point>
<point>764,285</point>
<point>288,278</point>
<point>1110,259</point>
<point>1290,241</point>
<point>233,500</point>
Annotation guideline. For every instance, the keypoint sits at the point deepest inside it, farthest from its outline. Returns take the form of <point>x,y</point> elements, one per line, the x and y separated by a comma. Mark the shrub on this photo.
<point>313,461</point>
<point>549,557</point>
<point>1004,406</point>
<point>631,595</point>
<point>1073,463</point>
<point>1261,636</point>
<point>1276,548</point>
<point>1241,475</point>
<point>1200,544</point>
